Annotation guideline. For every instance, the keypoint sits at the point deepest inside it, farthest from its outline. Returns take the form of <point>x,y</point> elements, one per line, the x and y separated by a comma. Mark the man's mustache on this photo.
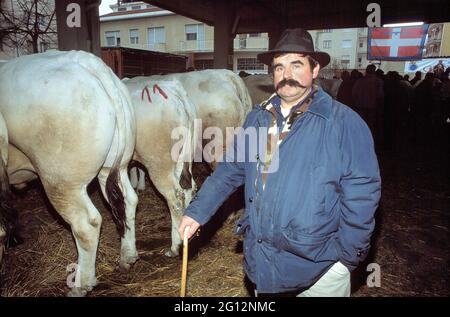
<point>291,82</point>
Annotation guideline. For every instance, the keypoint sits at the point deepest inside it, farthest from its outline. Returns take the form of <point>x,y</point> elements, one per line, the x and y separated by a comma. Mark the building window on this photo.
<point>134,36</point>
<point>346,43</point>
<point>112,38</point>
<point>242,41</point>
<point>204,64</point>
<point>326,30</point>
<point>359,59</point>
<point>326,44</point>
<point>361,44</point>
<point>41,21</point>
<point>249,64</point>
<point>43,46</point>
<point>122,9</point>
<point>149,6</point>
<point>156,35</point>
<point>135,7</point>
<point>345,59</point>
<point>194,32</point>
<point>254,35</point>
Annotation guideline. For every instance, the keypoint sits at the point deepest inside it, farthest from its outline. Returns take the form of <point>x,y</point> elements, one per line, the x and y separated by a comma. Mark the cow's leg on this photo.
<point>128,252</point>
<point>2,243</point>
<point>177,198</point>
<point>77,209</point>
<point>174,196</point>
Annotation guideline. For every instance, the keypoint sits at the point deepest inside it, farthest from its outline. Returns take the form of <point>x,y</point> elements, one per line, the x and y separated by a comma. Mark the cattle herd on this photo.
<point>66,119</point>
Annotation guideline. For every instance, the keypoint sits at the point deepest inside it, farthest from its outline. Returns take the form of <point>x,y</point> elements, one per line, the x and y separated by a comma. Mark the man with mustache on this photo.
<point>311,194</point>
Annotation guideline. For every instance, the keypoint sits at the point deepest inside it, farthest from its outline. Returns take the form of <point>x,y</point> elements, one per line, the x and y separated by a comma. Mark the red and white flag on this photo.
<point>396,43</point>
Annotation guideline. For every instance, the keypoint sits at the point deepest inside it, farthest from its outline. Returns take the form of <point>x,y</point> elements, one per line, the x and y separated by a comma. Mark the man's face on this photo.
<point>293,76</point>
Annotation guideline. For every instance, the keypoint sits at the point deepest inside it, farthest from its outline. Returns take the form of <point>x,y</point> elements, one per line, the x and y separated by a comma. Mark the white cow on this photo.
<point>162,107</point>
<point>7,214</point>
<point>220,99</point>
<point>261,87</point>
<point>219,95</point>
<point>70,119</point>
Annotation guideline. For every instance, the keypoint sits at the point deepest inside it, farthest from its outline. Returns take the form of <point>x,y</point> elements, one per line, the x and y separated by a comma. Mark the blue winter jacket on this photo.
<point>316,209</point>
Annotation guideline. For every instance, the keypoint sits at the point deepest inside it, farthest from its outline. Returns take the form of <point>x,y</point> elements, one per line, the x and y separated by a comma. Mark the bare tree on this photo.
<point>27,23</point>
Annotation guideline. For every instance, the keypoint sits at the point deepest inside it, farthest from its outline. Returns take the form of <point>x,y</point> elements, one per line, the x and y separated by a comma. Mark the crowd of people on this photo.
<point>401,112</point>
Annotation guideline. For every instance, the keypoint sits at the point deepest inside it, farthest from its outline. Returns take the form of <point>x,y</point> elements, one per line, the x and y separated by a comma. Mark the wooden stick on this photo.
<point>185,262</point>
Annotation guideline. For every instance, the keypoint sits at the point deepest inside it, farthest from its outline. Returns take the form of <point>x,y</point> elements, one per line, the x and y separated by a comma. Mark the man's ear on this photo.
<point>316,71</point>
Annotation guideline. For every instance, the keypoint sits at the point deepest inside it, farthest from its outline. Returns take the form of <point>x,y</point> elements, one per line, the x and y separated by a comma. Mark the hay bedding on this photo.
<point>411,246</point>
<point>37,267</point>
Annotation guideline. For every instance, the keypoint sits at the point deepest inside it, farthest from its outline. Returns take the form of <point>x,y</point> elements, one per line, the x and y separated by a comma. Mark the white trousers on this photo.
<point>334,283</point>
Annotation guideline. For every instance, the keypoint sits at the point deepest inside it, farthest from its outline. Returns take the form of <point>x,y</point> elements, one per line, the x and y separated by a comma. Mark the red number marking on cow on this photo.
<point>145,89</point>
<point>161,92</point>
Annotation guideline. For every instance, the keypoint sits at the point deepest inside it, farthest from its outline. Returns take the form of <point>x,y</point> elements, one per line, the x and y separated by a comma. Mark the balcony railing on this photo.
<point>159,47</point>
<point>251,43</point>
<point>256,43</point>
<point>196,46</point>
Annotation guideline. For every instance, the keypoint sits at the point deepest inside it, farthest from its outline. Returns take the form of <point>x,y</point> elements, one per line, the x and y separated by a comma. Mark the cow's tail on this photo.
<point>8,215</point>
<point>187,154</point>
<point>123,108</point>
<point>121,101</point>
<point>244,95</point>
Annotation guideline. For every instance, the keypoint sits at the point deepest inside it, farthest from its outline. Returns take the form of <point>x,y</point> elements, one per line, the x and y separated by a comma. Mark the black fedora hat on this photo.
<point>295,41</point>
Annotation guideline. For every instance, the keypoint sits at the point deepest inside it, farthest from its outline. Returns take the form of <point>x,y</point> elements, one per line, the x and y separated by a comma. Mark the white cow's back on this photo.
<point>161,106</point>
<point>165,142</point>
<point>70,119</point>
<point>53,92</point>
<point>219,95</point>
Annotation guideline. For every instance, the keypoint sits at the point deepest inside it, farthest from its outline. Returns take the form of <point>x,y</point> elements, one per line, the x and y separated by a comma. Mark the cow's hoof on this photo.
<point>126,263</point>
<point>169,253</point>
<point>77,292</point>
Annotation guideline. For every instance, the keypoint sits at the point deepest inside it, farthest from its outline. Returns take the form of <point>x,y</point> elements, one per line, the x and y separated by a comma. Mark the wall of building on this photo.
<point>339,43</point>
<point>199,52</point>
<point>347,47</point>
<point>445,44</point>
<point>174,26</point>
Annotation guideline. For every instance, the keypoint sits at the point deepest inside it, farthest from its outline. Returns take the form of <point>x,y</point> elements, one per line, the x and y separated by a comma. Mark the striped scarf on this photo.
<point>274,138</point>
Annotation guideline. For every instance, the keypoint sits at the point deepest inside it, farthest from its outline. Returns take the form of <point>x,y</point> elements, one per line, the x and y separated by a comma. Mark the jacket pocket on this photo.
<point>312,247</point>
<point>242,224</point>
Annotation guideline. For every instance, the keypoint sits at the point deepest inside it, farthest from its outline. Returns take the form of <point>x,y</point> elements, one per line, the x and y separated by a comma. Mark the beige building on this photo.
<point>143,26</point>
<point>445,44</point>
<point>340,44</point>
<point>438,41</point>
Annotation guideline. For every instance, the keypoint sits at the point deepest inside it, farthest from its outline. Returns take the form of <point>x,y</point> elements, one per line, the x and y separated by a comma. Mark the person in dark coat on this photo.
<point>422,110</point>
<point>368,101</point>
<point>345,89</point>
<point>311,177</point>
<point>417,77</point>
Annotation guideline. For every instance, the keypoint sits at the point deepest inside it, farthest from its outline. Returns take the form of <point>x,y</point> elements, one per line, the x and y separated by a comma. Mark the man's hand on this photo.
<point>188,221</point>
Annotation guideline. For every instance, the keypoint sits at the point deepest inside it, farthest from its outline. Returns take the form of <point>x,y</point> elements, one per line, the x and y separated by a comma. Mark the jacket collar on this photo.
<point>321,104</point>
